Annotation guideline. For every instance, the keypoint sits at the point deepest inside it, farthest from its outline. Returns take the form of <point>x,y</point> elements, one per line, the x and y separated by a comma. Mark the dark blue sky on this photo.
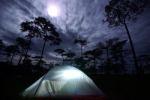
<point>77,17</point>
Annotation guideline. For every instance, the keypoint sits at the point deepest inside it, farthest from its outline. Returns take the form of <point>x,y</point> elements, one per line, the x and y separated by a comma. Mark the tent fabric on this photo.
<point>57,83</point>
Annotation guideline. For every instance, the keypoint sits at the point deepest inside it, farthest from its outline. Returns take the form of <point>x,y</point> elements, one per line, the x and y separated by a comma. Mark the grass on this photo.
<point>123,87</point>
<point>115,87</point>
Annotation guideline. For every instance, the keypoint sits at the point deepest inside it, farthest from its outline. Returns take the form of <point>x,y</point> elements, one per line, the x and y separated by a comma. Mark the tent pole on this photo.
<point>40,84</point>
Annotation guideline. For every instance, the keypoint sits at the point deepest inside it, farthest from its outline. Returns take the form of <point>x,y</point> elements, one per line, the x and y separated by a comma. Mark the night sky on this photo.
<point>76,17</point>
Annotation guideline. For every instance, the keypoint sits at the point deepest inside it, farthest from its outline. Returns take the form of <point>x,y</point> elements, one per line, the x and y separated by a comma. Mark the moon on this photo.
<point>53,10</point>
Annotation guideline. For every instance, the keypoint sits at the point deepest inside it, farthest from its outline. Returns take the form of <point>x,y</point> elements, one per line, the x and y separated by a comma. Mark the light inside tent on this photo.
<point>71,74</point>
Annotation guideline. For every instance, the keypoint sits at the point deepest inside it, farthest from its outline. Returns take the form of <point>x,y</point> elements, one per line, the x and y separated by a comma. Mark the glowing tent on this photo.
<point>63,81</point>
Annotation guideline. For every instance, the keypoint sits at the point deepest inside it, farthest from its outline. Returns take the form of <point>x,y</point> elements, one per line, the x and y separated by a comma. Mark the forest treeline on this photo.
<point>108,57</point>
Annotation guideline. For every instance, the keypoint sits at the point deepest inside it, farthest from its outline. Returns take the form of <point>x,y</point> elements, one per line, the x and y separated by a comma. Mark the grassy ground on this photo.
<point>115,87</point>
<point>123,87</point>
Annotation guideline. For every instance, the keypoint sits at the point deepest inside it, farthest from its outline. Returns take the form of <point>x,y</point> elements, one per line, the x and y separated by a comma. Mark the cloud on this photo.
<point>79,17</point>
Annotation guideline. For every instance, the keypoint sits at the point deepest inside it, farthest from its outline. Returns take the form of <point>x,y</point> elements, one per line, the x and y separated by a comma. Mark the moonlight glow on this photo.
<point>53,10</point>
<point>71,74</point>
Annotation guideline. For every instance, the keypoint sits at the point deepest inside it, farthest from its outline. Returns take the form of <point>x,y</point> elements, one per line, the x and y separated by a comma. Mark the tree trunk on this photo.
<point>26,52</point>
<point>40,84</point>
<point>122,61</point>
<point>20,59</point>
<point>81,50</point>
<point>132,48</point>
<point>107,54</point>
<point>94,62</point>
<point>42,52</point>
<point>12,58</point>
<point>7,58</point>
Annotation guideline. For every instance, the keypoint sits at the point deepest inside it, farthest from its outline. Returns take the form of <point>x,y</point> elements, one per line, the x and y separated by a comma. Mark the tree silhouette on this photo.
<point>82,42</point>
<point>32,32</point>
<point>117,50</point>
<point>93,55</point>
<point>48,32</point>
<point>69,55</point>
<point>144,62</point>
<point>23,45</point>
<point>11,50</point>
<point>118,12</point>
<point>2,46</point>
<point>41,27</point>
<point>107,46</point>
<point>117,55</point>
<point>113,48</point>
<point>61,52</point>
